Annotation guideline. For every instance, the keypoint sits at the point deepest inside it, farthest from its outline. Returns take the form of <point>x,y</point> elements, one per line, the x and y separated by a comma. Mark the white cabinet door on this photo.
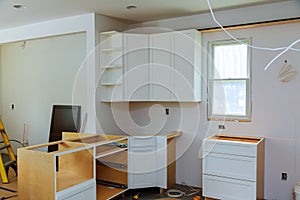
<point>161,66</point>
<point>187,74</point>
<point>161,162</point>
<point>147,164</point>
<point>136,60</point>
<point>141,167</point>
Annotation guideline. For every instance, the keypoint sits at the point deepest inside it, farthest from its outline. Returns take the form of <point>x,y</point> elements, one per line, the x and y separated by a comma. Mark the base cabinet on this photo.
<point>89,166</point>
<point>147,162</point>
<point>233,167</point>
<point>64,174</point>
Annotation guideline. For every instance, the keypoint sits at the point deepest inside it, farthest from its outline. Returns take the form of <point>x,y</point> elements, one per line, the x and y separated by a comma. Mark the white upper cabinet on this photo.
<point>187,65</point>
<point>175,70</point>
<point>161,67</point>
<point>136,61</point>
<point>155,67</point>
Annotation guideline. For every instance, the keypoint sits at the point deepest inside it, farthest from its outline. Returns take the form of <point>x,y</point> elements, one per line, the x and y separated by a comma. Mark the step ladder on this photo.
<point>8,161</point>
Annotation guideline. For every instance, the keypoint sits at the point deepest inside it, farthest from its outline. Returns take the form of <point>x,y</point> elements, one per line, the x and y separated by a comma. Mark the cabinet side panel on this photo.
<point>171,170</point>
<point>79,163</point>
<point>260,169</point>
<point>36,175</point>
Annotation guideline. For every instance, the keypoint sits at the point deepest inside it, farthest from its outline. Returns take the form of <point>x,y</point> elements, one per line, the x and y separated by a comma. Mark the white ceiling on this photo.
<point>147,10</point>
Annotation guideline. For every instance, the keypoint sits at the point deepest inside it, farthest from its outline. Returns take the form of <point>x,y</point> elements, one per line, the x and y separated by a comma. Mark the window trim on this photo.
<point>210,70</point>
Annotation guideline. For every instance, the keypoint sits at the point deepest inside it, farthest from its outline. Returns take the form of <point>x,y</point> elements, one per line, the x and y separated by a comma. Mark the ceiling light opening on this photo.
<point>18,6</point>
<point>131,7</point>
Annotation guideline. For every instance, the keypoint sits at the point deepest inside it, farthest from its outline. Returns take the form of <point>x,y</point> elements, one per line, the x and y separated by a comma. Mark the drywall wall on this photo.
<point>275,113</point>
<point>91,24</point>
<point>35,75</point>
<point>275,110</point>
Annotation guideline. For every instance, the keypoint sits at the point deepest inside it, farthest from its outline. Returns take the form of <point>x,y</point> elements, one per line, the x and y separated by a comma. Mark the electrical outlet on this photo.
<point>221,126</point>
<point>283,176</point>
<point>167,111</point>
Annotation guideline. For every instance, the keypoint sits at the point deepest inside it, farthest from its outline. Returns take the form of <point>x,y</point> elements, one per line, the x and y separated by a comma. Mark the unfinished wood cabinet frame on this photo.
<point>110,161</point>
<point>39,178</point>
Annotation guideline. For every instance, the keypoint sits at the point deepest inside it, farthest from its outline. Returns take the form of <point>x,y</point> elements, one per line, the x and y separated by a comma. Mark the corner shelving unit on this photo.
<point>111,65</point>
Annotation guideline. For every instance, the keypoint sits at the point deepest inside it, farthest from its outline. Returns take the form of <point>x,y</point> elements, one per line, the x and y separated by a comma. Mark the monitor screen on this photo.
<point>65,118</point>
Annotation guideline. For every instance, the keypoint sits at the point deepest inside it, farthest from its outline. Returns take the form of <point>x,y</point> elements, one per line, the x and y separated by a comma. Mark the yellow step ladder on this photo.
<point>11,161</point>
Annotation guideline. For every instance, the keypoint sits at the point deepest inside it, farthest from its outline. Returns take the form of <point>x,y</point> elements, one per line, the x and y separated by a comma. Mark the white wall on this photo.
<point>35,75</point>
<point>275,113</point>
<point>276,108</point>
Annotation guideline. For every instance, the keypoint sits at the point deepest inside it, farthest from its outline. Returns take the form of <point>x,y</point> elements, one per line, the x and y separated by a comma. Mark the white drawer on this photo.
<point>228,189</point>
<point>232,166</point>
<point>225,147</point>
<point>142,141</point>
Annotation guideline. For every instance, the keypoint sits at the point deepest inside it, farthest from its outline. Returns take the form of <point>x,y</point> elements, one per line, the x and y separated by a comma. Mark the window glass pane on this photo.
<point>230,61</point>
<point>229,97</point>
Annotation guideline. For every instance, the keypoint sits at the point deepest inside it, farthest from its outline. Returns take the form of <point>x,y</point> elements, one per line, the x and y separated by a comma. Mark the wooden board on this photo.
<point>115,175</point>
<point>171,162</point>
<point>91,138</point>
<point>105,193</point>
<point>236,138</point>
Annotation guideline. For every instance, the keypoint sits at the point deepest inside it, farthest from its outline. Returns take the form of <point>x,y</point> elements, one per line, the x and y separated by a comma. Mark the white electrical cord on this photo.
<point>175,193</point>
<point>285,49</point>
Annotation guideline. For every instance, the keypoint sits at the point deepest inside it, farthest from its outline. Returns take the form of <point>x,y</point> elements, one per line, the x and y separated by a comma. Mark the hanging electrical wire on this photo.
<point>285,49</point>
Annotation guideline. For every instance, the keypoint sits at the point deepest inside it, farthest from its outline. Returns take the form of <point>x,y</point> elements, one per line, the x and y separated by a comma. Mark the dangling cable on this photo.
<point>285,49</point>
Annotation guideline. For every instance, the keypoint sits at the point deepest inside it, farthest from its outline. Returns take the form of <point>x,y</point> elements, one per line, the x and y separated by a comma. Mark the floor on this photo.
<point>9,190</point>
<point>154,194</point>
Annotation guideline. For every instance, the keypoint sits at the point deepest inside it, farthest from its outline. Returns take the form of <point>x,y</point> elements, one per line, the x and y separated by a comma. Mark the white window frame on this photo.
<point>212,79</point>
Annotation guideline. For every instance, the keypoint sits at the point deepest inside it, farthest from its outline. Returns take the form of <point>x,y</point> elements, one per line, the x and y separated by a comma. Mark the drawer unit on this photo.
<point>228,189</point>
<point>233,167</point>
<point>142,141</point>
<point>227,147</point>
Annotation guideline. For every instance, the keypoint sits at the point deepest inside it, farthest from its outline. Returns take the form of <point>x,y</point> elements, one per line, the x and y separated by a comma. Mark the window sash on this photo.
<point>211,80</point>
<point>227,116</point>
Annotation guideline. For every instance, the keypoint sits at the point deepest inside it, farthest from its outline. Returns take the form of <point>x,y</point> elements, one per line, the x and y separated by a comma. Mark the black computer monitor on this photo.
<point>65,118</point>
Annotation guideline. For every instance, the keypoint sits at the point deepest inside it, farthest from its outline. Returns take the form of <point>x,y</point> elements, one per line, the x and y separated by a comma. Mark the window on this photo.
<point>229,81</point>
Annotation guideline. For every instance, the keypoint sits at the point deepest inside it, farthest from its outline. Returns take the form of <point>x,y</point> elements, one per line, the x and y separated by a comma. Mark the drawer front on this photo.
<point>231,166</point>
<point>243,149</point>
<point>228,189</point>
<point>142,141</point>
